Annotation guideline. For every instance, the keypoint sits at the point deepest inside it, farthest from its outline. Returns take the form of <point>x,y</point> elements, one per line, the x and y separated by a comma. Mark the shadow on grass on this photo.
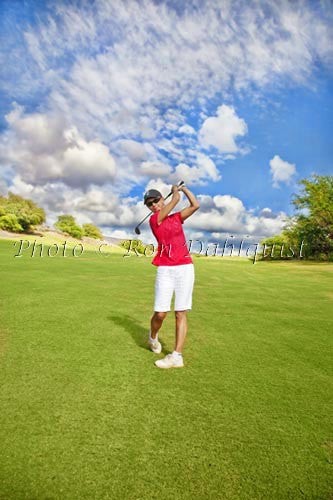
<point>138,332</point>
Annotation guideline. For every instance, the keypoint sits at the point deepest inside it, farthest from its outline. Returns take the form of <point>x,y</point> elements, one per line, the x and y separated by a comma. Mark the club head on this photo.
<point>137,230</point>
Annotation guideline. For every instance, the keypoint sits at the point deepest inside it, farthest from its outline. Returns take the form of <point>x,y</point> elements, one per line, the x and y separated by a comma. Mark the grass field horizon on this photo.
<point>85,414</point>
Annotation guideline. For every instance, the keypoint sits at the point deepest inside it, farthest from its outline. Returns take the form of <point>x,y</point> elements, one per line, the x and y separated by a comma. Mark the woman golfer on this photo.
<point>175,271</point>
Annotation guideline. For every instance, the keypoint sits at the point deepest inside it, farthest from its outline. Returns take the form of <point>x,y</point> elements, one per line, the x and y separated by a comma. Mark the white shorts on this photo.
<point>178,279</point>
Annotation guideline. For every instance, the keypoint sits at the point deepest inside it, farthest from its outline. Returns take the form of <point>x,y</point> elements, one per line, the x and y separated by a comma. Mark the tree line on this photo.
<point>312,224</point>
<point>20,215</point>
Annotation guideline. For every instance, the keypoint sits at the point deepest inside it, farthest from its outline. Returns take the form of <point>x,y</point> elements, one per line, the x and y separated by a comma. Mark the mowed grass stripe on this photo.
<point>85,414</point>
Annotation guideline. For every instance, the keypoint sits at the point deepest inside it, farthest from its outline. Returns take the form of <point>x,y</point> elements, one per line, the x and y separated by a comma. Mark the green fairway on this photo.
<point>85,414</point>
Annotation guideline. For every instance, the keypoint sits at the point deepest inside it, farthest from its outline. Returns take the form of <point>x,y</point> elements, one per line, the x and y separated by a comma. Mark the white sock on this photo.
<point>175,353</point>
<point>151,339</point>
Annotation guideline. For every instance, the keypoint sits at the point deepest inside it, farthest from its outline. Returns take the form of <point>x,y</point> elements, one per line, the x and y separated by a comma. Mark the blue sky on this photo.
<point>102,100</point>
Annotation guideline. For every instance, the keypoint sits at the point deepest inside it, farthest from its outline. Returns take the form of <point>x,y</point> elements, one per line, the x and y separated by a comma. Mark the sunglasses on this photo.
<point>150,203</point>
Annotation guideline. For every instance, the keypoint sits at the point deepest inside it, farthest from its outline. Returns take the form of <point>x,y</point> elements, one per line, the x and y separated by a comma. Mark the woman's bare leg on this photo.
<point>156,323</point>
<point>181,329</point>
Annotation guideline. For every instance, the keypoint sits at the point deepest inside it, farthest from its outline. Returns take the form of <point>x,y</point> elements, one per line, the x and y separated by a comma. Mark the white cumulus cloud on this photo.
<point>222,131</point>
<point>281,170</point>
<point>40,148</point>
<point>203,170</point>
<point>223,214</point>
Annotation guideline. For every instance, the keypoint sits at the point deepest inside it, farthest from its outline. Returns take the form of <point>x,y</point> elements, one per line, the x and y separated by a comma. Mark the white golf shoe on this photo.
<point>170,361</point>
<point>155,345</point>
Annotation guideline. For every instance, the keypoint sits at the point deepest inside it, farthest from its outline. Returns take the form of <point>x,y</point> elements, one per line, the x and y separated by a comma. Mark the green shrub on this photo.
<point>67,225</point>
<point>134,245</point>
<point>26,213</point>
<point>92,231</point>
<point>9,222</point>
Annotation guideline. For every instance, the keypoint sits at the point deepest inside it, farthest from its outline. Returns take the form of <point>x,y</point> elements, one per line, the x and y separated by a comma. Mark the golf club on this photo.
<point>137,230</point>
